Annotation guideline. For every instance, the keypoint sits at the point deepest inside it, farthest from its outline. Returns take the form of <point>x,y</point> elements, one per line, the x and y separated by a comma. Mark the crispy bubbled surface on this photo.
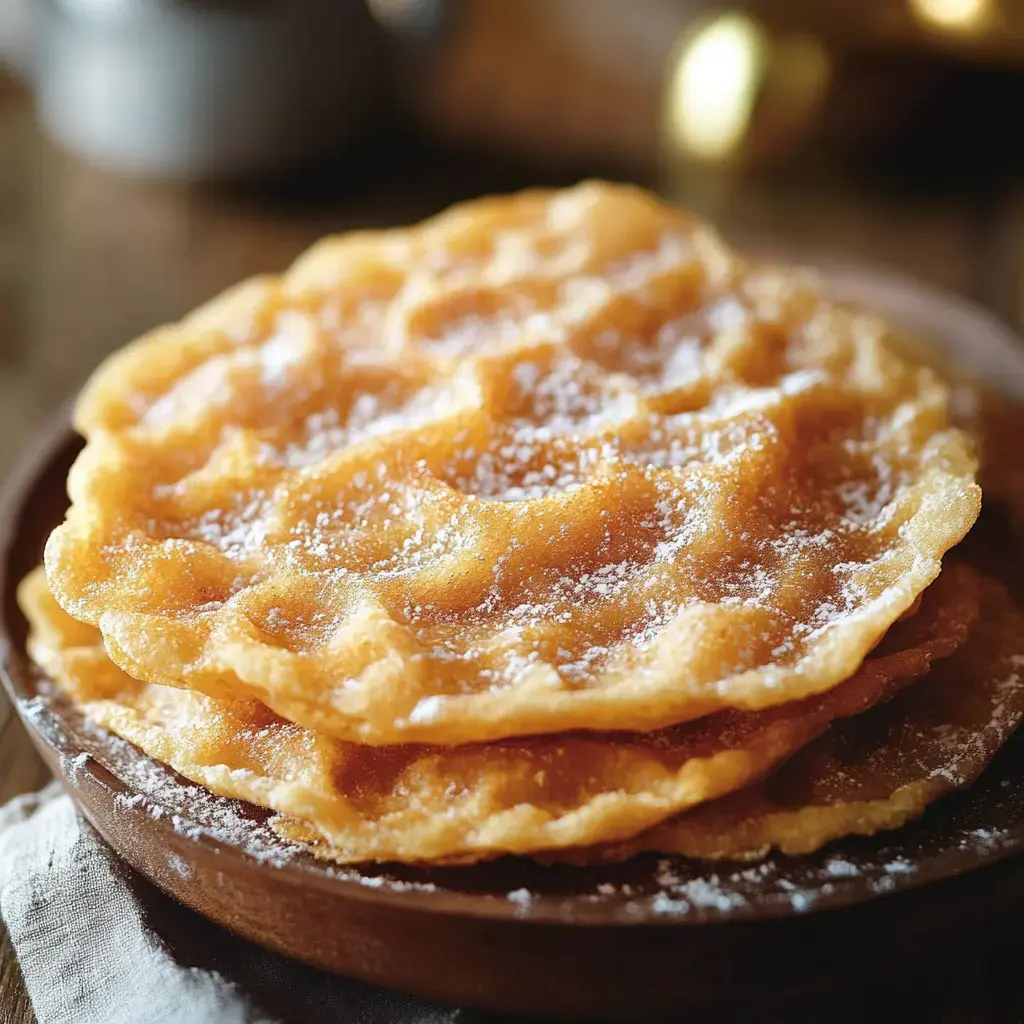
<point>419,803</point>
<point>554,461</point>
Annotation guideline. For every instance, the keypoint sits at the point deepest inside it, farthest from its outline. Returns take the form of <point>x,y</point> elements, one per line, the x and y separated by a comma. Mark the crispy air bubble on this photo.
<point>555,461</point>
<point>417,803</point>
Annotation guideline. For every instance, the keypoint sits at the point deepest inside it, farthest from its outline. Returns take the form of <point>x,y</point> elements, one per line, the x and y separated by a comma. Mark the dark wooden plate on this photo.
<point>655,936</point>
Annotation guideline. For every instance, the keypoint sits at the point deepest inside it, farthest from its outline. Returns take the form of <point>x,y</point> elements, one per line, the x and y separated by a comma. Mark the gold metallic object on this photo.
<point>967,17</point>
<point>734,90</point>
<point>713,86</point>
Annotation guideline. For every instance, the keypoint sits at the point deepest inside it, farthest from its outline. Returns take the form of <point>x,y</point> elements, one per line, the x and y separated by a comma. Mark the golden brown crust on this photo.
<point>546,462</point>
<point>874,772</point>
<point>473,802</point>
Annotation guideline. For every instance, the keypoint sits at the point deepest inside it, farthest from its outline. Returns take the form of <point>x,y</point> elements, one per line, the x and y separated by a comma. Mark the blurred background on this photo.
<point>155,151</point>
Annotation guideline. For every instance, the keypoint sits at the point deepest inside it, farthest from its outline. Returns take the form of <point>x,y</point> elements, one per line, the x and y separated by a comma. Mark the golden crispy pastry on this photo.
<point>547,462</point>
<point>876,771</point>
<point>419,803</point>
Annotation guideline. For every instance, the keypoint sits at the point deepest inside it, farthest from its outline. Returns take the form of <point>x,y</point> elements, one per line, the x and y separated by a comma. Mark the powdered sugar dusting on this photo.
<point>673,889</point>
<point>612,433</point>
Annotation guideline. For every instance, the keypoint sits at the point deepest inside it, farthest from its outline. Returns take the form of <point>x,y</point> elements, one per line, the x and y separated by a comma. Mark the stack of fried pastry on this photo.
<point>550,526</point>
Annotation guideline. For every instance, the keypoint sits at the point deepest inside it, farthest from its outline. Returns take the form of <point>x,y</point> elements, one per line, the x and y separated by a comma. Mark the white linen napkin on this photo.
<point>98,945</point>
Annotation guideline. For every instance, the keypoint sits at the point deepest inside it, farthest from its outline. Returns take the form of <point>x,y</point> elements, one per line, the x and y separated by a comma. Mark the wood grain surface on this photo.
<point>88,261</point>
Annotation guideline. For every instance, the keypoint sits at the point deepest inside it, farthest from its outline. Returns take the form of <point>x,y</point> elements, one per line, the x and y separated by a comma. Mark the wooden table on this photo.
<point>88,261</point>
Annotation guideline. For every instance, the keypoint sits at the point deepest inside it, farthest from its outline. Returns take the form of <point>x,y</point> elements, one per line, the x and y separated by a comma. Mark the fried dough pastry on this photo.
<point>548,462</point>
<point>416,803</point>
<point>873,772</point>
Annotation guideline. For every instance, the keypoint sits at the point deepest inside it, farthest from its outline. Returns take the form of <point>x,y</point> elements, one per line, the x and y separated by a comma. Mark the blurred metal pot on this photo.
<point>199,89</point>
